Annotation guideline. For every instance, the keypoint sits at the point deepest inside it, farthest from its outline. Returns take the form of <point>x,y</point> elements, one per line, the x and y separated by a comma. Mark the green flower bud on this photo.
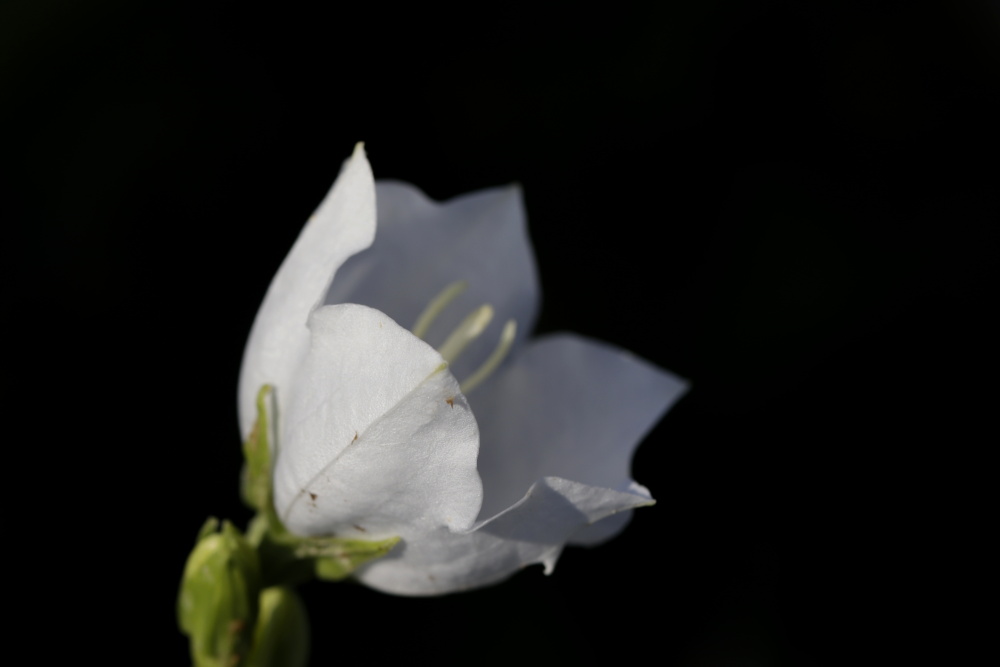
<point>218,602</point>
<point>281,636</point>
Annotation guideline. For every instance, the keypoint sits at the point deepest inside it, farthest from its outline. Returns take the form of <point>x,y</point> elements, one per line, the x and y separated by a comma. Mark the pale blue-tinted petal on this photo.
<point>602,531</point>
<point>569,407</point>
<point>534,530</point>
<point>422,246</point>
<point>343,224</point>
<point>606,528</point>
<point>375,437</point>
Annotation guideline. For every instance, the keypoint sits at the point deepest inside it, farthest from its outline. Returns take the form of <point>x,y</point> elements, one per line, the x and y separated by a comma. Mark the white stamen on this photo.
<point>467,331</point>
<point>484,371</point>
<point>437,304</point>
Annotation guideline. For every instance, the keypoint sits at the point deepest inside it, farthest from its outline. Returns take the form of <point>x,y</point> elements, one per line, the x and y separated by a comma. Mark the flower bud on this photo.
<point>218,601</point>
<point>281,636</point>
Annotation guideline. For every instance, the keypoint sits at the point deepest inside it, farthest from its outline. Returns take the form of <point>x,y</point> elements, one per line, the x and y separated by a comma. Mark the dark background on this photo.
<point>794,207</point>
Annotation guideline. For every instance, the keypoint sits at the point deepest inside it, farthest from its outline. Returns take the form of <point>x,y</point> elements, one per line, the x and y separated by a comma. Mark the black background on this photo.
<point>794,207</point>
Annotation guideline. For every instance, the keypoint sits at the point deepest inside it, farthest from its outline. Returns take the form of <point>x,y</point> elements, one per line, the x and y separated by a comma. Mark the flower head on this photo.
<point>376,435</point>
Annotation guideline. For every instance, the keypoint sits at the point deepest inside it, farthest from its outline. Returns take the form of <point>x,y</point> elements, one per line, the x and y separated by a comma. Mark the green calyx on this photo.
<point>235,604</point>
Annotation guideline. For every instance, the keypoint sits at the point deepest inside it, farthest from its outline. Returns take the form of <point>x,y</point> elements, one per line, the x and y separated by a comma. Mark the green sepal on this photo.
<point>288,559</point>
<point>338,558</point>
<point>218,601</point>
<point>255,479</point>
<point>281,636</point>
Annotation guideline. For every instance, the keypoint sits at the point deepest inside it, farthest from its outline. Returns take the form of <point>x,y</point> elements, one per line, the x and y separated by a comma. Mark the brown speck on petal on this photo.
<point>450,401</point>
<point>312,495</point>
<point>359,528</point>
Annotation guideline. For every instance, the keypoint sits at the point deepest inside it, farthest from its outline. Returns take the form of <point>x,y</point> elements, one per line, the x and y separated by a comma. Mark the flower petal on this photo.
<point>375,435</point>
<point>422,246</point>
<point>343,224</point>
<point>567,407</point>
<point>532,531</point>
<point>606,528</point>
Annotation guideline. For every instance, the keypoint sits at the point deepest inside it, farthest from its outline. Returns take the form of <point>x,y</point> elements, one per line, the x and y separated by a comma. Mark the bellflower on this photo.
<point>481,464</point>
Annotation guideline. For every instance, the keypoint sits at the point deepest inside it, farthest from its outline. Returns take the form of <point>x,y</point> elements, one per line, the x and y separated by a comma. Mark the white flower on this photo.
<point>375,437</point>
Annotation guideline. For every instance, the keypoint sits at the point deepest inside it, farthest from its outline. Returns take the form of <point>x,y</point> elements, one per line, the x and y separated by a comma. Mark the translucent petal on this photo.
<point>343,224</point>
<point>606,528</point>
<point>422,246</point>
<point>376,438</point>
<point>532,531</point>
<point>568,407</point>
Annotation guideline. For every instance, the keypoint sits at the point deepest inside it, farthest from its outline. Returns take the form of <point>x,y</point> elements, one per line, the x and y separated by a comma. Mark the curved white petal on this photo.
<point>606,528</point>
<point>375,437</point>
<point>422,246</point>
<point>568,407</point>
<point>532,531</point>
<point>343,224</point>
